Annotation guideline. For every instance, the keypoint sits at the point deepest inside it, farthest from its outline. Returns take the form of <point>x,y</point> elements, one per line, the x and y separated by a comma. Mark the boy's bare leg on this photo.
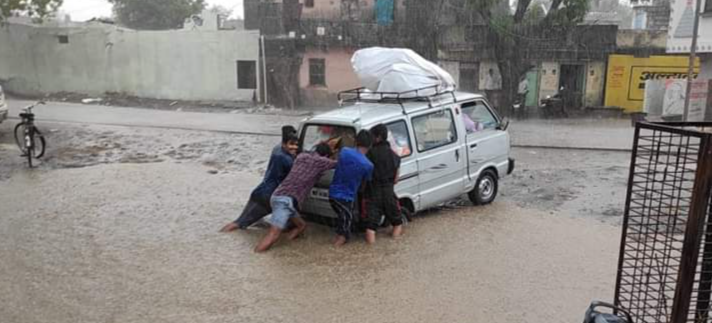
<point>397,231</point>
<point>370,236</point>
<point>339,241</point>
<point>300,226</point>
<point>271,237</point>
<point>232,226</point>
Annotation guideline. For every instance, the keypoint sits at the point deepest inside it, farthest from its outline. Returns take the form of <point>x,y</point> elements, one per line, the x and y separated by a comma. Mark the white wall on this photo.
<point>595,76</point>
<point>680,28</point>
<point>452,67</point>
<point>549,79</point>
<point>176,64</point>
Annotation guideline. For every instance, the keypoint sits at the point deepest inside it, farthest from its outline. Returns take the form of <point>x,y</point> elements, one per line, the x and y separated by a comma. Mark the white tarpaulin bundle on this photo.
<point>399,70</point>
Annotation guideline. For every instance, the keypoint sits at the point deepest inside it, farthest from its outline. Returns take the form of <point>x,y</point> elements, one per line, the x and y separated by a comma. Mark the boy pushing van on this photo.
<point>352,170</point>
<point>291,193</point>
<point>380,196</point>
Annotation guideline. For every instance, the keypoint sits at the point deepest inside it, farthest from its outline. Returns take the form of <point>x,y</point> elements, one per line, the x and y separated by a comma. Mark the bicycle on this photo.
<point>30,140</point>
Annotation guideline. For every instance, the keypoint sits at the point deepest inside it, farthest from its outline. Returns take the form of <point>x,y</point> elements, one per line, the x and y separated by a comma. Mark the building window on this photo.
<point>708,6</point>
<point>63,39</point>
<point>469,77</point>
<point>640,19</point>
<point>317,70</point>
<point>309,3</point>
<point>246,75</point>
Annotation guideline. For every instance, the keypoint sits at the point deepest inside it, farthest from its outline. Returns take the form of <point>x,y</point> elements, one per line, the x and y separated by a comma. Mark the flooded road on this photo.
<point>137,242</point>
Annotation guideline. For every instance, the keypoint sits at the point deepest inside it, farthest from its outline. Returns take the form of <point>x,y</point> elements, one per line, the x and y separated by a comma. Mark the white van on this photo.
<point>450,144</point>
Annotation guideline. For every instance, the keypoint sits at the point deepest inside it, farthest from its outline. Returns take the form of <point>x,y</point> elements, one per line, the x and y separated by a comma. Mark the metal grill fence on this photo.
<point>665,263</point>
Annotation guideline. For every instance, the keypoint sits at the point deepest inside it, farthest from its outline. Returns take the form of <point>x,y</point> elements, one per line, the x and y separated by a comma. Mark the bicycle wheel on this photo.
<point>35,143</point>
<point>29,152</point>
<point>20,137</point>
<point>39,144</point>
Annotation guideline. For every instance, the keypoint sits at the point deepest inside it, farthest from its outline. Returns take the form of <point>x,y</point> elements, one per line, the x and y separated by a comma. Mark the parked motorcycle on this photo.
<point>554,106</point>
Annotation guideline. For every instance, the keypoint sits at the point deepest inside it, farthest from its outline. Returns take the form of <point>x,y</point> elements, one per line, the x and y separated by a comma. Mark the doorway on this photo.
<point>469,77</point>
<point>532,99</point>
<point>572,78</point>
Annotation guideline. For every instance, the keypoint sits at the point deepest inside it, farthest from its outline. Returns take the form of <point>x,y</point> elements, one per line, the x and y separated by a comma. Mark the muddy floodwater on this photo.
<point>123,241</point>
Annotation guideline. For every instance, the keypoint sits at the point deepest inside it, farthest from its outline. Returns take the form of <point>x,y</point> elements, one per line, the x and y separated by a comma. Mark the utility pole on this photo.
<point>693,56</point>
<point>264,69</point>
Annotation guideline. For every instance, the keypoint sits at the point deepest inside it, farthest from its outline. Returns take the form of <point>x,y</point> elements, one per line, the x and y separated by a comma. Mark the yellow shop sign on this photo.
<point>625,80</point>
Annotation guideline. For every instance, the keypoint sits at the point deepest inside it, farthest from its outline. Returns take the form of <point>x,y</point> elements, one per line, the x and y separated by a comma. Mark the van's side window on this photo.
<point>399,139</point>
<point>477,117</point>
<point>434,130</point>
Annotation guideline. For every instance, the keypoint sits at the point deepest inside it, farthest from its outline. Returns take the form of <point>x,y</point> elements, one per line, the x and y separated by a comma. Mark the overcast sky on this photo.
<point>81,10</point>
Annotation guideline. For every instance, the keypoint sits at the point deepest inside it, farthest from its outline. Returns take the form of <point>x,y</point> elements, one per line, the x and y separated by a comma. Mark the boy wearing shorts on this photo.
<point>285,201</point>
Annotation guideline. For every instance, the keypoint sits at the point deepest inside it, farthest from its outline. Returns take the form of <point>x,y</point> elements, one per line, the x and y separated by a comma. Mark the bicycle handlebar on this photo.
<point>31,106</point>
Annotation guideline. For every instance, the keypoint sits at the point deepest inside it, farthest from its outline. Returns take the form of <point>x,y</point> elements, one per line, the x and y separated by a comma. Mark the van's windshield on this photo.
<point>335,136</point>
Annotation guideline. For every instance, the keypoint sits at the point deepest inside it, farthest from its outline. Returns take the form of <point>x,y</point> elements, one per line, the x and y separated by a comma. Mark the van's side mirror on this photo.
<point>503,125</point>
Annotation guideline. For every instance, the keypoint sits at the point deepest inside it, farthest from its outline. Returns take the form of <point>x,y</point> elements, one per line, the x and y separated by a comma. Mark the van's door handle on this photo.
<point>457,155</point>
<point>473,145</point>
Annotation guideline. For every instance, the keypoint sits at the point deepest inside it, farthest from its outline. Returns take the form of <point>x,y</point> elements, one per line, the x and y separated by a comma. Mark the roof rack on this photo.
<point>364,95</point>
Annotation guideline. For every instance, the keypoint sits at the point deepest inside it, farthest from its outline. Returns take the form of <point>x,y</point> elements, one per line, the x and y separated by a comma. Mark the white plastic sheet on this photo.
<point>399,70</point>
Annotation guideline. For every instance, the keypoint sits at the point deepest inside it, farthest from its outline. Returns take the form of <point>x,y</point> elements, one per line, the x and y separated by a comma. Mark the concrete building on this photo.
<point>350,10</point>
<point>326,51</point>
<point>680,33</point>
<point>325,73</point>
<point>579,66</point>
<point>96,58</point>
<point>650,14</point>
<point>462,50</point>
<point>679,41</point>
<point>640,55</point>
<point>319,37</point>
<point>641,42</point>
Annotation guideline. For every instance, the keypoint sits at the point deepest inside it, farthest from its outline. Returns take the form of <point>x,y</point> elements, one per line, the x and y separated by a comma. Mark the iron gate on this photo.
<point>665,262</point>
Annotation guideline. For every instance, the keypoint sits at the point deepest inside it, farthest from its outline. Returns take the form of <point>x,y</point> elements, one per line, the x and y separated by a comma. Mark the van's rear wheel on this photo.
<point>485,189</point>
<point>406,215</point>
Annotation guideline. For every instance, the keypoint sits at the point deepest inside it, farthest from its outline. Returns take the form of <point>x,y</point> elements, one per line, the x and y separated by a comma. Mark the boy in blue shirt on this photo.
<point>280,163</point>
<point>352,169</point>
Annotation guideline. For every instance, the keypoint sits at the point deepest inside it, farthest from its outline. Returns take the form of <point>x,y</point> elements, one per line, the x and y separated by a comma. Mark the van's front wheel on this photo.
<point>485,189</point>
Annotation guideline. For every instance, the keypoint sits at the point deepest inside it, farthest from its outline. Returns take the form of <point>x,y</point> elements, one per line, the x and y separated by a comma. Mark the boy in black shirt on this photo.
<point>380,197</point>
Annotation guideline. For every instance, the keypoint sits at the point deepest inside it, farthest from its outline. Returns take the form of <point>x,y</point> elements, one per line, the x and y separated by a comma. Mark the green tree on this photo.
<point>515,33</point>
<point>510,33</point>
<point>155,14</point>
<point>32,8</point>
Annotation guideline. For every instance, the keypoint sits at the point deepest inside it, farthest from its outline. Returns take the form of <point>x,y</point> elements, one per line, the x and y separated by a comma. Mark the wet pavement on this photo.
<point>596,134</point>
<point>260,124</point>
<point>120,225</point>
<point>612,134</point>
